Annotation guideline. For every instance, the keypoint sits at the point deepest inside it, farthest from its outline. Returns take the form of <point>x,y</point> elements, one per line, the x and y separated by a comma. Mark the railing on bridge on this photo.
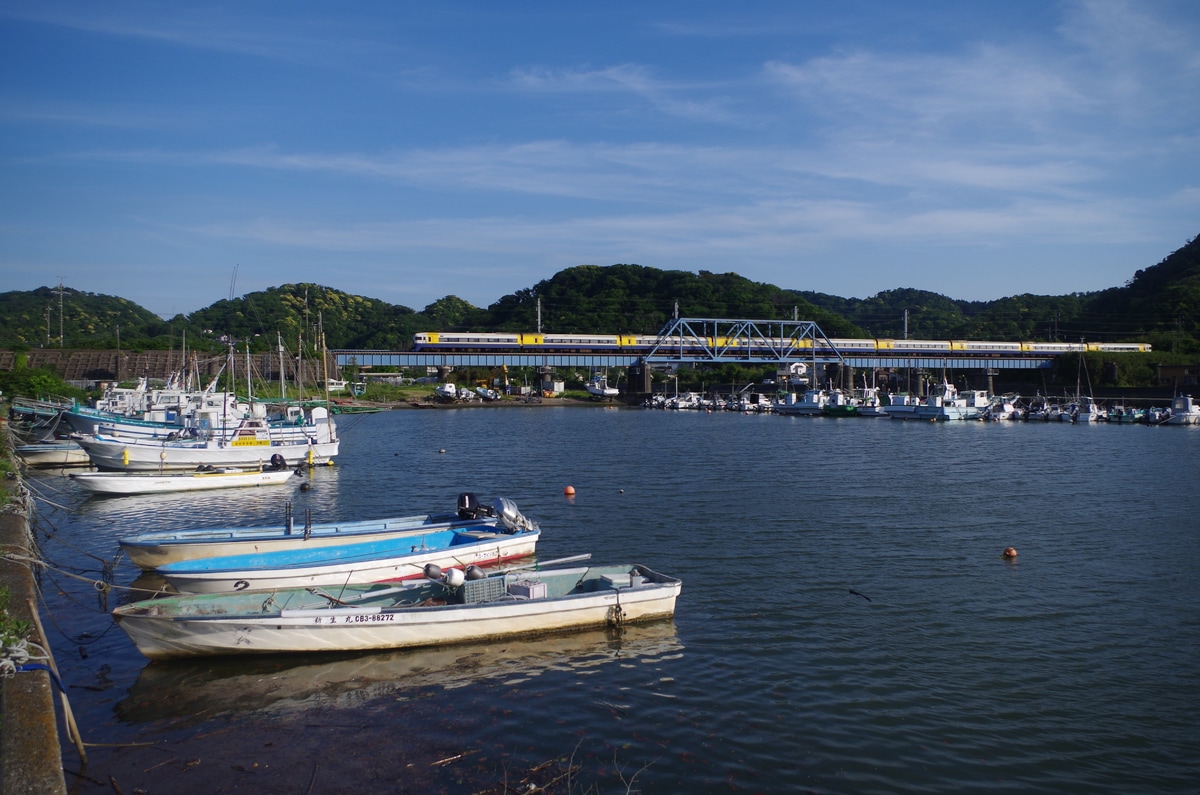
<point>691,339</point>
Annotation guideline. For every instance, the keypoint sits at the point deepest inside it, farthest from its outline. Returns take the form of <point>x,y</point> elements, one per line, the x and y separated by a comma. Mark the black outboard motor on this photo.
<point>469,507</point>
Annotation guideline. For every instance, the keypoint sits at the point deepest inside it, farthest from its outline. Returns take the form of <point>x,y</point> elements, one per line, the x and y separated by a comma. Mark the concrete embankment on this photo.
<point>30,756</point>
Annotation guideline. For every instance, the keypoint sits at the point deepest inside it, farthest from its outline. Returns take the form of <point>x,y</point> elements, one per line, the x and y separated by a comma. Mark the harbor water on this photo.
<point>848,623</point>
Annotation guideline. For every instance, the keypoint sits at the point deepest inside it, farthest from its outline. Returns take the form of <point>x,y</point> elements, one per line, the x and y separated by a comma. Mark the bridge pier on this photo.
<point>638,378</point>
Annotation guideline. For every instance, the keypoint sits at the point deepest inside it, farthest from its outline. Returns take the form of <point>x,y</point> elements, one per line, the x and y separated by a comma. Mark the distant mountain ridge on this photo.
<point>1159,304</point>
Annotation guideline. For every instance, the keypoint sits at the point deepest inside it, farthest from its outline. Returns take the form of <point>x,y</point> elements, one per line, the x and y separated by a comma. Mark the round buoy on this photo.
<point>1010,552</point>
<point>569,490</point>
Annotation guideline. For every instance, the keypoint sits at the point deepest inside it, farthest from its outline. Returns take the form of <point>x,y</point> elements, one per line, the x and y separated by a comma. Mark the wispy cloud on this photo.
<point>672,98</point>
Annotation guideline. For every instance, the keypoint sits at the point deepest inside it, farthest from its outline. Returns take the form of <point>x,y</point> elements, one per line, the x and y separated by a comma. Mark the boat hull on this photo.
<point>948,413</point>
<point>146,483</point>
<point>348,564</point>
<point>258,623</point>
<point>115,454</point>
<point>158,548</point>
<point>53,454</point>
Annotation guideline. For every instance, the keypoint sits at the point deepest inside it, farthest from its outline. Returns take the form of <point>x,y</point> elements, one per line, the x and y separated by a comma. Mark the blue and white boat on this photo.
<point>152,550</point>
<point>358,563</point>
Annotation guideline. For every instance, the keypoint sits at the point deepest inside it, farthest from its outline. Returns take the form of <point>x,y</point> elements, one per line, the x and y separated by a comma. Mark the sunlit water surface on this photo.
<point>847,623</point>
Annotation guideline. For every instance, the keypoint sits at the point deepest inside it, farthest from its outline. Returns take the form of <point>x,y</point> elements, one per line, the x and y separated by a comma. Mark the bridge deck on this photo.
<point>391,360</point>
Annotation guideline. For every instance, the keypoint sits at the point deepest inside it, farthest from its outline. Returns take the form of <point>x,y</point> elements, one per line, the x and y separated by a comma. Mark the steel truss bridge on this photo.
<point>695,341</point>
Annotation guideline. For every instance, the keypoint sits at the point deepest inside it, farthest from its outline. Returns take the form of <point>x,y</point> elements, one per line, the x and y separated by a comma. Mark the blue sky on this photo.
<point>177,153</point>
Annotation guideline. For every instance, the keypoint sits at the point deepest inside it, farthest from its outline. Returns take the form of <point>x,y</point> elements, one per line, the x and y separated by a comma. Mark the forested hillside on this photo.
<point>1160,304</point>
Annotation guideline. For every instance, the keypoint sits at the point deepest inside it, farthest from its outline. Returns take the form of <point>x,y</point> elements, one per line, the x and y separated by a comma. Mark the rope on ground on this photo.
<point>14,656</point>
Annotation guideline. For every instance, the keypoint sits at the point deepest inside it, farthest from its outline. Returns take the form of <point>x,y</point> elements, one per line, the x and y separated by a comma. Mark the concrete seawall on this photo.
<point>30,755</point>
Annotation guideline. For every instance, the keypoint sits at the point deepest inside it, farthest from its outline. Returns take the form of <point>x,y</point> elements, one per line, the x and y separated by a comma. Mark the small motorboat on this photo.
<point>363,561</point>
<point>160,547</point>
<point>203,479</point>
<point>449,606</point>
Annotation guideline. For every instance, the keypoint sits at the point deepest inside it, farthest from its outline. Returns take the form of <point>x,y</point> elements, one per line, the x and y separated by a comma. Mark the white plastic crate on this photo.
<point>527,589</point>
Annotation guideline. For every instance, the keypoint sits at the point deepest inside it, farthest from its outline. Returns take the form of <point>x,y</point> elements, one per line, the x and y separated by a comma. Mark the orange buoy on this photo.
<point>569,490</point>
<point>1010,552</point>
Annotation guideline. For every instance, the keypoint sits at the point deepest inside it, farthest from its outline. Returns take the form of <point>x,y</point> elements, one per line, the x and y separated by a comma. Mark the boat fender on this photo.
<point>454,577</point>
<point>433,571</point>
<point>476,573</point>
<point>278,461</point>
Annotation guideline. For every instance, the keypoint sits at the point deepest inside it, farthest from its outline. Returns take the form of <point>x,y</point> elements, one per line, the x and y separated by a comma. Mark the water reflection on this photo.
<point>199,690</point>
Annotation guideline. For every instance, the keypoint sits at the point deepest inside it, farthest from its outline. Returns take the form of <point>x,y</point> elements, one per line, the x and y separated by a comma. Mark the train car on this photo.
<point>991,347</point>
<point>580,343</point>
<point>1051,347</point>
<point>845,345</point>
<point>1124,347</point>
<point>450,340</point>
<point>921,346</point>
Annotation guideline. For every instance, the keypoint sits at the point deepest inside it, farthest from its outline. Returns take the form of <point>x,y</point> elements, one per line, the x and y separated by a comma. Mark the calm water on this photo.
<point>847,624</point>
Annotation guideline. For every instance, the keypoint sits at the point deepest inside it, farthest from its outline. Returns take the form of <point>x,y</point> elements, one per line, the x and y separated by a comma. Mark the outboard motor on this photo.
<point>512,518</point>
<point>468,506</point>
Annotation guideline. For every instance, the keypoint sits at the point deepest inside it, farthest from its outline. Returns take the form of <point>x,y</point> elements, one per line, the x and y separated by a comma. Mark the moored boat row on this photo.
<point>945,403</point>
<point>393,583</point>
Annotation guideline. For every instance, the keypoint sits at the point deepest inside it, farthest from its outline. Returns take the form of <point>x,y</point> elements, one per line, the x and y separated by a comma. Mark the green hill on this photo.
<point>1160,304</point>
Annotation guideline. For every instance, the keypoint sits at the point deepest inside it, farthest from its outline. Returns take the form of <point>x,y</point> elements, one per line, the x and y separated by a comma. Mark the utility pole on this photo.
<point>60,290</point>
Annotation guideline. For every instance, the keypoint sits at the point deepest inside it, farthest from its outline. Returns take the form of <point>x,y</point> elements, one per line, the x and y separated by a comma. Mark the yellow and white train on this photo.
<point>453,341</point>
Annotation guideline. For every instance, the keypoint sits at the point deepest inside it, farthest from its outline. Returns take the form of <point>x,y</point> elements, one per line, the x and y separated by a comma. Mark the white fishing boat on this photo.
<point>1001,407</point>
<point>948,404</point>
<point>445,608</point>
<point>162,413</point>
<point>1083,410</point>
<point>1184,411</point>
<point>869,401</point>
<point>901,406</point>
<point>351,563</point>
<point>158,548</point>
<point>598,386</point>
<point>203,479</point>
<point>812,404</point>
<point>254,442</point>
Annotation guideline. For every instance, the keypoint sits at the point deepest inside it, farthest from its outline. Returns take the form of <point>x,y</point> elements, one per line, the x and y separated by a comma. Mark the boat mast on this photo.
<point>282,384</point>
<point>249,387</point>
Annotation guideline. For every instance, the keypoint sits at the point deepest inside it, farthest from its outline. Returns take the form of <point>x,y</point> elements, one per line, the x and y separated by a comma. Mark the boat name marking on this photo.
<point>354,619</point>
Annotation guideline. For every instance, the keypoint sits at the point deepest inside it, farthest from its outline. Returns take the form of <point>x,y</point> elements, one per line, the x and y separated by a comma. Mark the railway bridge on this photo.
<point>699,341</point>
